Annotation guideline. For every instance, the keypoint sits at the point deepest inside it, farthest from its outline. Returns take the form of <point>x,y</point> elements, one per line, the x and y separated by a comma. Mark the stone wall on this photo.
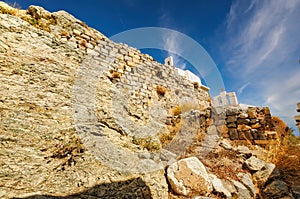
<point>253,124</point>
<point>44,56</point>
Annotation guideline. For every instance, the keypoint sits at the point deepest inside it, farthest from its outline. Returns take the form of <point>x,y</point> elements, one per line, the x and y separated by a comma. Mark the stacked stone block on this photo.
<point>252,124</point>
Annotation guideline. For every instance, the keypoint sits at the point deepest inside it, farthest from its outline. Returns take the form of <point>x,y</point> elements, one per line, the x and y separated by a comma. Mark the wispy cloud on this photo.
<point>172,41</point>
<point>242,88</point>
<point>263,49</point>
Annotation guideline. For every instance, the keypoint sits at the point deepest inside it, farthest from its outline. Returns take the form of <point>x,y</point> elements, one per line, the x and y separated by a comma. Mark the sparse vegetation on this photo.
<point>166,138</point>
<point>13,10</point>
<point>222,164</point>
<point>176,110</point>
<point>288,160</point>
<point>146,143</point>
<point>183,108</point>
<point>67,148</point>
<point>114,75</point>
<point>161,90</point>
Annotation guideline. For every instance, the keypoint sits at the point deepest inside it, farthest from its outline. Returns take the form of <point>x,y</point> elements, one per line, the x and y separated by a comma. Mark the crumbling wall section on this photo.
<point>253,124</point>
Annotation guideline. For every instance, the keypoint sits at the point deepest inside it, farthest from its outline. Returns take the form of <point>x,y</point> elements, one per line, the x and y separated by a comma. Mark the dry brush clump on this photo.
<point>161,90</point>
<point>223,164</point>
<point>68,146</point>
<point>173,129</point>
<point>147,143</point>
<point>288,160</point>
<point>114,74</point>
<point>41,22</point>
<point>10,10</point>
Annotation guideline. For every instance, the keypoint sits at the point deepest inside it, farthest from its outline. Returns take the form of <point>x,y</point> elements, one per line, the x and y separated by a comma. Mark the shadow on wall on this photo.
<point>134,188</point>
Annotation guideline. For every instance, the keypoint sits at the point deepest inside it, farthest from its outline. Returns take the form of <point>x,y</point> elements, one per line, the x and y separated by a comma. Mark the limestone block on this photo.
<point>231,118</point>
<point>254,164</point>
<point>245,178</point>
<point>232,111</point>
<point>219,187</point>
<point>88,45</point>
<point>229,186</point>
<point>222,129</point>
<point>243,121</point>
<point>219,121</point>
<point>188,176</point>
<point>242,191</point>
<point>92,52</point>
<point>252,112</point>
<point>243,127</point>
<point>135,60</point>
<point>131,64</point>
<point>256,126</point>
<point>85,37</point>
<point>127,58</point>
<point>104,51</point>
<point>233,134</point>
<point>243,115</point>
<point>76,32</point>
<point>225,144</point>
<point>231,125</point>
<point>131,54</point>
<point>137,57</point>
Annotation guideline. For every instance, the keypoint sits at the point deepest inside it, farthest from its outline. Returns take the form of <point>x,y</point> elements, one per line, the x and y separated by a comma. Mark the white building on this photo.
<point>185,73</point>
<point>225,99</point>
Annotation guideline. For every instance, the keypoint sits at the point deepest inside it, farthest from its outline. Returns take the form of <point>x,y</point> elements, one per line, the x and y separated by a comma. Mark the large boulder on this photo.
<point>188,177</point>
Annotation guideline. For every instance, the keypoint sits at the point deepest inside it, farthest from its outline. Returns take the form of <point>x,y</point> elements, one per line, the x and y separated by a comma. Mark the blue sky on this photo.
<point>255,44</point>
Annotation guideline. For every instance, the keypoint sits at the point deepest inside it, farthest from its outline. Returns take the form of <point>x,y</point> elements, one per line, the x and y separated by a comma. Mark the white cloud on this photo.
<point>263,49</point>
<point>242,88</point>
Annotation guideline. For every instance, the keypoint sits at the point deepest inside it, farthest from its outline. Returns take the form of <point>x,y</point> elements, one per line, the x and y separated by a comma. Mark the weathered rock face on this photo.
<point>188,176</point>
<point>87,117</point>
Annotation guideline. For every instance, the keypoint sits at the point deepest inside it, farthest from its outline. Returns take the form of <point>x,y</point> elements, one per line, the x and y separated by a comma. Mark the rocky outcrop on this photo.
<point>188,176</point>
<point>89,118</point>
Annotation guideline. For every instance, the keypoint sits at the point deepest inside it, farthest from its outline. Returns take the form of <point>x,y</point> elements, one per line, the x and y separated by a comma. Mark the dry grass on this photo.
<point>176,110</point>
<point>188,106</point>
<point>115,74</point>
<point>224,164</point>
<point>13,10</point>
<point>161,90</point>
<point>288,160</point>
<point>166,138</point>
<point>183,108</point>
<point>68,147</point>
<point>40,23</point>
<point>280,126</point>
<point>147,143</point>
